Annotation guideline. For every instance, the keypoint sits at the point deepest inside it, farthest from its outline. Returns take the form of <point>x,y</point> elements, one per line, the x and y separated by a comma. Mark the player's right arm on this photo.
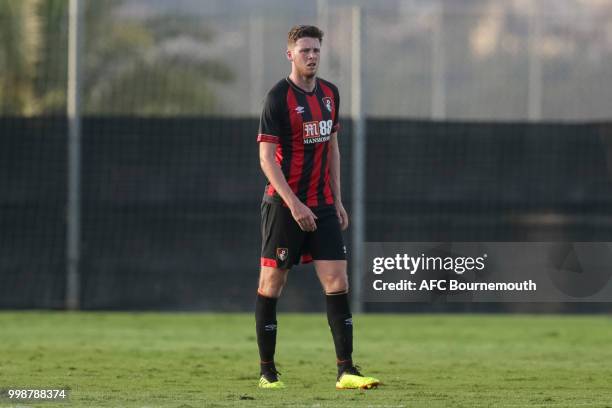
<point>270,133</point>
<point>300,212</point>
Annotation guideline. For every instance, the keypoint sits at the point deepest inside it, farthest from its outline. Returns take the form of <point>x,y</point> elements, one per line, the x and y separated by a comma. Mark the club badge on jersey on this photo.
<point>327,101</point>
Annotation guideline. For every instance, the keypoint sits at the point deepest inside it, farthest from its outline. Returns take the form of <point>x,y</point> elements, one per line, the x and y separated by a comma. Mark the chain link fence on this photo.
<point>467,106</point>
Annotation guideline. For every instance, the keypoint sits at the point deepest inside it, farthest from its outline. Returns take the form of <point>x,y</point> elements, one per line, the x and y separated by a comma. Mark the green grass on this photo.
<point>207,360</point>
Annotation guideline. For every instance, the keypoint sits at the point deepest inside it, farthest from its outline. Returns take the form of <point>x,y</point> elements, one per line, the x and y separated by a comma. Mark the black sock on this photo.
<point>341,324</point>
<point>265,325</point>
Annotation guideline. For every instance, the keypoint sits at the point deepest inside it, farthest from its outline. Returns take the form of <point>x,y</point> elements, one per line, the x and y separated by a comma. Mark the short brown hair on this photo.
<point>301,31</point>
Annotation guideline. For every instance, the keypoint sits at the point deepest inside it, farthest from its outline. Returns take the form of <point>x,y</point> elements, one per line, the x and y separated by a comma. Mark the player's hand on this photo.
<point>342,216</point>
<point>304,216</point>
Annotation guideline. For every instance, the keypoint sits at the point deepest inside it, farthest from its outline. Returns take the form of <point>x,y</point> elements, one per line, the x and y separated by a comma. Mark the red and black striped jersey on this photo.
<point>301,124</point>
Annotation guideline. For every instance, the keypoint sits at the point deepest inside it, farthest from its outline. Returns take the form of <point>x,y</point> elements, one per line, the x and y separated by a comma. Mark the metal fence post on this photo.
<point>359,159</point>
<point>73,215</point>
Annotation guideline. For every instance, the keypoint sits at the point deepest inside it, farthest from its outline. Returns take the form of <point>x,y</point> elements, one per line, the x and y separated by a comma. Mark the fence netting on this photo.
<point>485,120</point>
<point>170,206</point>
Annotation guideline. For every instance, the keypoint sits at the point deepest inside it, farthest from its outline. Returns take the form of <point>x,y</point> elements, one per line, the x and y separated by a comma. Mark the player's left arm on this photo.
<point>334,179</point>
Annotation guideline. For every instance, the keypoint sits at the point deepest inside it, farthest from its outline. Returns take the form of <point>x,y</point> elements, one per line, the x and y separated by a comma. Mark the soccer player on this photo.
<point>302,215</point>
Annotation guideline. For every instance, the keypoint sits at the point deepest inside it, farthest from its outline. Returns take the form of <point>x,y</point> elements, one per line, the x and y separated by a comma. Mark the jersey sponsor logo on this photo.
<point>299,110</point>
<point>282,253</point>
<point>327,101</point>
<point>317,131</point>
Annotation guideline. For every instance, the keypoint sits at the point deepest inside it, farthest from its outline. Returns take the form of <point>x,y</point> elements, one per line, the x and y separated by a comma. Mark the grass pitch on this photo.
<point>207,360</point>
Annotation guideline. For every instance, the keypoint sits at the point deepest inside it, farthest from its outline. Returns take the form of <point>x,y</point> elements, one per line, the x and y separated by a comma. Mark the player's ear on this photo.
<point>289,55</point>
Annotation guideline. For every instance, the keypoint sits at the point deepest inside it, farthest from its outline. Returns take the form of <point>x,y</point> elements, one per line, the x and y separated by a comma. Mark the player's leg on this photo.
<point>281,242</point>
<point>329,254</point>
<point>271,283</point>
<point>333,277</point>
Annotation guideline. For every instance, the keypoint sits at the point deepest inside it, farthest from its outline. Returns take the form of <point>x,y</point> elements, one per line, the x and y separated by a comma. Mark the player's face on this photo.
<point>305,56</point>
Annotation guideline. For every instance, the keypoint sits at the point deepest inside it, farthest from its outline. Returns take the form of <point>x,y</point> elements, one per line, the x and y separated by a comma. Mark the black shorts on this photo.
<point>284,244</point>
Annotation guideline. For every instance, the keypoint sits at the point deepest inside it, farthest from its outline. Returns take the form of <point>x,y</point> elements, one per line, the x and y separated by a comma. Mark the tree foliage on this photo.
<point>130,66</point>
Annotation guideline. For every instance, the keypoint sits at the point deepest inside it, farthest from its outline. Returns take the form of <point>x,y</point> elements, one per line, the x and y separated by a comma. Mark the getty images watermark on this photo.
<point>488,272</point>
<point>457,264</point>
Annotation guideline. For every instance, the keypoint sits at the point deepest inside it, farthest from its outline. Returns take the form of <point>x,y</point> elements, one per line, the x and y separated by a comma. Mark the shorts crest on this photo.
<point>282,253</point>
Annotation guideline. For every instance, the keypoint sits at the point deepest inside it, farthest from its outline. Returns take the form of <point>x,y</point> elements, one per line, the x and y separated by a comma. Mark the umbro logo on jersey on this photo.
<point>327,101</point>
<point>299,109</point>
<point>270,327</point>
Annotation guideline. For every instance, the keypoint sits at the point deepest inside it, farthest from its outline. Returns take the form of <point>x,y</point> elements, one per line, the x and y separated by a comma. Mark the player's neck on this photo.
<point>308,84</point>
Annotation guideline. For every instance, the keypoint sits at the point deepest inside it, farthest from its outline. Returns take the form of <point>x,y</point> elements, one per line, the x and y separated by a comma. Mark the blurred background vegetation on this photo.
<point>129,67</point>
<point>442,59</point>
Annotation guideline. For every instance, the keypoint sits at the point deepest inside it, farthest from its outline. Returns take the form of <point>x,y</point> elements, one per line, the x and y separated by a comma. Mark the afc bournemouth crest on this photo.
<point>327,101</point>
<point>282,253</point>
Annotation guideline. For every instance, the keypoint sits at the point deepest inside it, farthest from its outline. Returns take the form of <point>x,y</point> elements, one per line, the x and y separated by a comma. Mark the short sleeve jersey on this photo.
<point>301,123</point>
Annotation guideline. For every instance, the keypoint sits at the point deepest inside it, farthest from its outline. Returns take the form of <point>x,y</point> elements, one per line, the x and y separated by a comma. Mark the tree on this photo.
<point>129,65</point>
<point>28,46</point>
<point>137,66</point>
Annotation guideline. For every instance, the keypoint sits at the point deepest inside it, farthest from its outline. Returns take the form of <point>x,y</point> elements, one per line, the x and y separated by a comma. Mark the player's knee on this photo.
<point>271,283</point>
<point>336,283</point>
<point>270,289</point>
